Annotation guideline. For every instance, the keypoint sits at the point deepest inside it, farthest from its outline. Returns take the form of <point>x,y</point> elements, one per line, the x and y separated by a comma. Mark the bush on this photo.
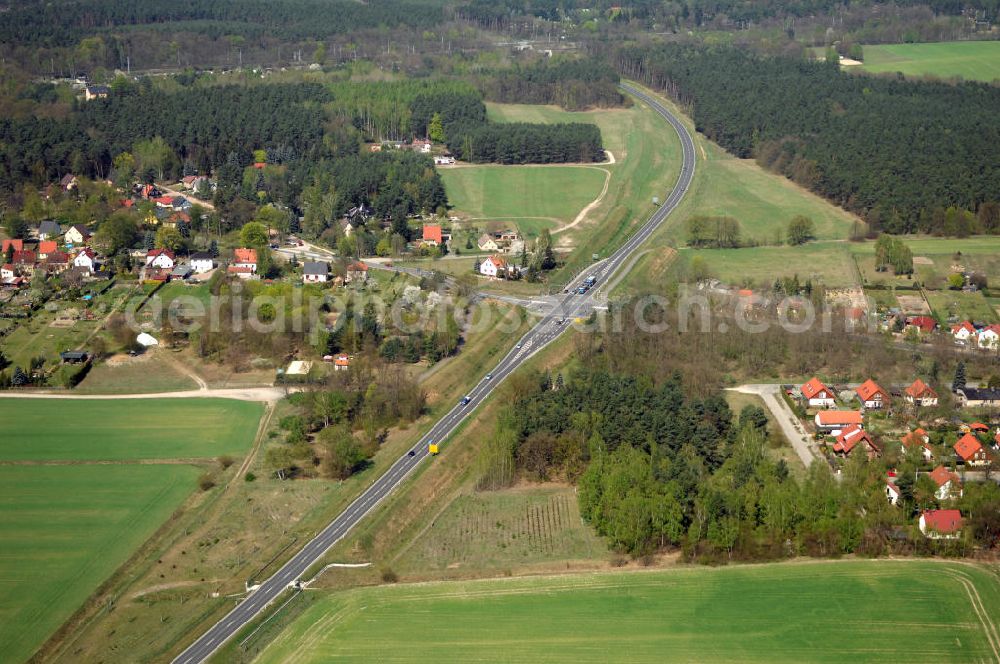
<point>249,477</point>
<point>389,576</point>
<point>226,461</point>
<point>206,481</point>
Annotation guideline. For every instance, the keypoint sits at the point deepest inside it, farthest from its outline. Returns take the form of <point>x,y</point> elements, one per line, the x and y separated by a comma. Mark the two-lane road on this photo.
<point>548,328</point>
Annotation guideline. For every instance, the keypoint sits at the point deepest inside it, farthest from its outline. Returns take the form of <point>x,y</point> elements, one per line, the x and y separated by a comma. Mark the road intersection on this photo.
<point>549,326</point>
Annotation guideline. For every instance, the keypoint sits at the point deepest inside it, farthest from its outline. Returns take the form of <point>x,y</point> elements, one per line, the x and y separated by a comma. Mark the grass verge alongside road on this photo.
<point>791,612</point>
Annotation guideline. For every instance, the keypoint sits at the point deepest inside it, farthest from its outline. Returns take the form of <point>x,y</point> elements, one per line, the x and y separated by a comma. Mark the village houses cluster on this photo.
<point>956,447</point>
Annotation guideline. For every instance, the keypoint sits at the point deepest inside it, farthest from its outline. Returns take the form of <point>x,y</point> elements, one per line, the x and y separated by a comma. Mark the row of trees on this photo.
<point>523,143</point>
<point>876,146</point>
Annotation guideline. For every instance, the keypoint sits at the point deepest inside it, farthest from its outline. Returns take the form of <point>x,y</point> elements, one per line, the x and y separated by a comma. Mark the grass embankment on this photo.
<point>829,611</point>
<point>68,523</point>
<point>972,60</point>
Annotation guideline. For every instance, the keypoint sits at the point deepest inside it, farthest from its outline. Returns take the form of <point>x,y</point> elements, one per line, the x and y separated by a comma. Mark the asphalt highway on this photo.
<point>569,306</point>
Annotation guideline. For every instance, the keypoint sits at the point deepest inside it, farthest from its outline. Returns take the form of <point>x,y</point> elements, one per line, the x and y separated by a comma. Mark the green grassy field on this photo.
<point>761,201</point>
<point>64,530</point>
<point>975,60</point>
<point>819,612</point>
<point>553,194</point>
<point>964,306</point>
<point>88,430</point>
<point>824,262</point>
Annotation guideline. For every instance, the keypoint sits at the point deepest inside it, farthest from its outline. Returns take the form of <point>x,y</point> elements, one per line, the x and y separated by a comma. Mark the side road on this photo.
<point>790,426</point>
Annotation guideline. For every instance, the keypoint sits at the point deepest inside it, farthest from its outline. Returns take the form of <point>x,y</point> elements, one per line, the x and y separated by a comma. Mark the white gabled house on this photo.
<point>496,267</point>
<point>817,395</point>
<point>86,259</point>
<point>202,262</point>
<point>162,259</point>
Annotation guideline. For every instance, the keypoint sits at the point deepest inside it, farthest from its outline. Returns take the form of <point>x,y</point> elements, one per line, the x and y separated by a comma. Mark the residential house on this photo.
<point>487,243</point>
<point>46,247</point>
<point>74,356</point>
<point>86,260</point>
<point>941,524</point>
<point>817,395</point>
<point>892,492</point>
<point>918,438</point>
<point>15,245</point>
<point>315,272</point>
<point>977,397</point>
<point>835,421</point>
<point>948,483</point>
<point>77,234</point>
<point>241,271</point>
<point>422,145</point>
<point>245,257</point>
<point>92,92</point>
<point>356,271</point>
<point>854,437</point>
<point>971,451</point>
<point>160,259</point>
<point>989,337</point>
<point>341,363</point>
<point>444,160</point>
<point>7,272</point>
<point>923,324</point>
<point>872,396</point>
<point>963,331</point>
<point>202,262</point>
<point>69,182</point>
<point>164,201</point>
<point>920,394</point>
<point>49,229</point>
<point>433,235</point>
<point>496,267</point>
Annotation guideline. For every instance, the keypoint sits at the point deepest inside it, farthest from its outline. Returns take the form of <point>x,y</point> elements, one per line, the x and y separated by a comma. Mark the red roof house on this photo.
<point>245,256</point>
<point>872,395</point>
<point>971,450</point>
<point>941,524</point>
<point>925,324</point>
<point>854,437</point>
<point>17,244</point>
<point>838,419</point>
<point>432,235</point>
<point>921,394</point>
<point>817,394</point>
<point>948,483</point>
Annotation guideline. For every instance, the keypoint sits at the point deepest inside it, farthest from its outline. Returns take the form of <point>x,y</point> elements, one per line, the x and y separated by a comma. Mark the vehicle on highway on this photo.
<point>412,453</point>
<point>590,281</point>
<point>581,290</point>
<point>518,346</point>
<point>466,400</point>
<point>560,321</point>
<point>489,376</point>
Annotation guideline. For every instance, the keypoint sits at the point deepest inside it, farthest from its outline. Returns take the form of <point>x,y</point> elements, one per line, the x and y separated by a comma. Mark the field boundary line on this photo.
<point>591,205</point>
<point>980,610</point>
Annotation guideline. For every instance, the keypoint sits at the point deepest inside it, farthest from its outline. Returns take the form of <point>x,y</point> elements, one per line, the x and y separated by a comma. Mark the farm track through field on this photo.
<point>992,637</point>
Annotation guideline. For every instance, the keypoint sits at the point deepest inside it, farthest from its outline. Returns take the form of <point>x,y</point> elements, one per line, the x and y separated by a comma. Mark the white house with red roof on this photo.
<point>77,234</point>
<point>949,484</point>
<point>433,235</point>
<point>989,337</point>
<point>86,259</point>
<point>818,395</point>
<point>357,271</point>
<point>920,394</point>
<point>963,331</point>
<point>941,524</point>
<point>854,437</point>
<point>971,451</point>
<point>835,421</point>
<point>161,259</point>
<point>892,492</point>
<point>495,267</point>
<point>918,438</point>
<point>872,396</point>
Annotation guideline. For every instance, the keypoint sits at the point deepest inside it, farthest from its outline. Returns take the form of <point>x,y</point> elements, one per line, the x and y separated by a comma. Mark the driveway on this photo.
<point>790,425</point>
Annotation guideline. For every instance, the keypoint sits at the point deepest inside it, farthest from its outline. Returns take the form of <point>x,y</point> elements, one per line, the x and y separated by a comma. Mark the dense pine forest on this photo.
<point>898,152</point>
<point>65,22</point>
<point>573,84</point>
